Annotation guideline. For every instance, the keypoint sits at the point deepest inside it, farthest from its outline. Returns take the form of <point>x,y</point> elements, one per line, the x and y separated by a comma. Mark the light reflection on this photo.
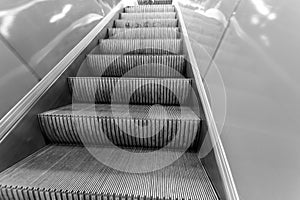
<point>255,20</point>
<point>6,24</point>
<point>215,14</point>
<point>104,6</point>
<point>7,17</point>
<point>213,10</point>
<point>263,9</point>
<point>86,20</point>
<point>272,16</point>
<point>189,3</point>
<point>131,2</point>
<point>265,39</point>
<point>61,15</point>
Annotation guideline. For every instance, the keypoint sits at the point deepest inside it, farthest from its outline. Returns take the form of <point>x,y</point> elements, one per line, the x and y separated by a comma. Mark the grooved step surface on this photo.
<point>141,46</point>
<point>154,2</point>
<point>130,90</point>
<point>150,8</point>
<point>61,172</point>
<point>139,23</point>
<point>154,15</point>
<point>144,33</point>
<point>137,65</point>
<point>121,125</point>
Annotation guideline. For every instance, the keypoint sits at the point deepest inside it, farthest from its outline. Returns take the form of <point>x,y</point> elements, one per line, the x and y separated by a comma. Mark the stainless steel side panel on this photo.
<point>261,80</point>
<point>41,32</point>
<point>261,133</point>
<point>15,80</point>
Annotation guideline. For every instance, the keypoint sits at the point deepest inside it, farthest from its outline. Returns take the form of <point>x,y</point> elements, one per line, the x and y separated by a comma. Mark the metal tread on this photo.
<point>153,15</point>
<point>138,23</point>
<point>123,126</point>
<point>154,2</point>
<point>140,46</point>
<point>69,172</point>
<point>166,91</point>
<point>166,66</point>
<point>126,111</point>
<point>143,33</point>
<point>150,8</point>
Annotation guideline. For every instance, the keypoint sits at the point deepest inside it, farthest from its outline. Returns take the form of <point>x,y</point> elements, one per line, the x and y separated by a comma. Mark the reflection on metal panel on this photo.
<point>207,23</point>
<point>42,32</point>
<point>202,6</point>
<point>261,79</point>
<point>205,32</point>
<point>15,80</point>
<point>260,75</point>
<point>69,34</point>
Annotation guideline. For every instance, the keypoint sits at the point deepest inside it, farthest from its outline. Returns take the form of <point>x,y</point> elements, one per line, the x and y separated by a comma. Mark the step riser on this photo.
<point>135,91</point>
<point>148,8</point>
<point>136,66</point>
<point>156,15</point>
<point>9,193</point>
<point>146,23</point>
<point>161,47</point>
<point>154,2</point>
<point>144,33</point>
<point>107,131</point>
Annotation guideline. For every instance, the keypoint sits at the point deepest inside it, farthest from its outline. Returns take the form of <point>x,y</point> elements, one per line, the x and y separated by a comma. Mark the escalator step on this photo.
<point>154,15</point>
<point>122,125</point>
<point>137,65</point>
<point>139,23</point>
<point>150,8</point>
<point>140,46</point>
<point>154,2</point>
<point>130,90</point>
<point>144,33</point>
<point>73,173</point>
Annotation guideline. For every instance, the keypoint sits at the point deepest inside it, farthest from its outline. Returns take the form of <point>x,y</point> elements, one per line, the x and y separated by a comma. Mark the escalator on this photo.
<point>136,96</point>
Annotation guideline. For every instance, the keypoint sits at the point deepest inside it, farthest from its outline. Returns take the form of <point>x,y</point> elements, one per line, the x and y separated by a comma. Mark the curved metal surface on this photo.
<point>261,133</point>
<point>12,87</point>
<point>261,79</point>
<point>210,6</point>
<point>42,32</point>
